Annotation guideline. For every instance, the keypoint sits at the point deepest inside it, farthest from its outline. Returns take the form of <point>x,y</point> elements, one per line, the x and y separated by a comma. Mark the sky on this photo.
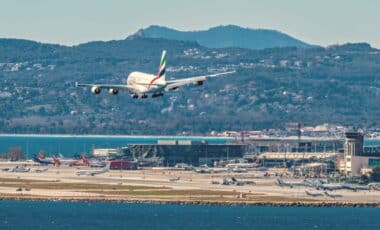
<point>71,22</point>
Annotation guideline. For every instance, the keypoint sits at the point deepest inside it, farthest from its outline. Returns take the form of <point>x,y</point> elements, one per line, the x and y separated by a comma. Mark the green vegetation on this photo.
<point>338,84</point>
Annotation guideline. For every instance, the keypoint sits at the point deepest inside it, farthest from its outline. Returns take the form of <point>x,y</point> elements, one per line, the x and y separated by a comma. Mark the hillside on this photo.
<point>338,84</point>
<point>226,37</point>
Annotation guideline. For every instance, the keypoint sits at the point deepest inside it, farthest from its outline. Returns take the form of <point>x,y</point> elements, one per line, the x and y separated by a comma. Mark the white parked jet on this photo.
<point>140,85</point>
<point>95,171</point>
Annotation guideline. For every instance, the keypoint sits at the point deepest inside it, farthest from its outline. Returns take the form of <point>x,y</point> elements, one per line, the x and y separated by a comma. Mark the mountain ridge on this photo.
<point>226,37</point>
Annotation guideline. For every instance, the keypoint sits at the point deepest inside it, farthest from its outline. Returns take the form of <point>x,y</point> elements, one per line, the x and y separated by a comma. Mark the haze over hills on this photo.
<point>226,36</point>
<point>337,84</point>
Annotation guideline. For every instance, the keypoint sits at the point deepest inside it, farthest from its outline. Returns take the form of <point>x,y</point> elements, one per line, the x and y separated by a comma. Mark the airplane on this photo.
<point>97,163</point>
<point>356,187</point>
<point>94,172</point>
<point>41,170</point>
<point>69,161</point>
<point>83,162</point>
<point>206,169</point>
<point>237,182</point>
<point>238,170</point>
<point>141,84</point>
<point>19,168</point>
<point>174,179</point>
<point>42,159</point>
<point>330,187</point>
<point>242,182</point>
<point>332,195</point>
<point>242,165</point>
<point>282,183</point>
<point>184,166</point>
<point>374,186</point>
<point>313,194</point>
<point>63,161</point>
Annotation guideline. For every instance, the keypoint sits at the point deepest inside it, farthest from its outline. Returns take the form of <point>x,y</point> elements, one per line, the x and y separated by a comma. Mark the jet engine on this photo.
<point>113,91</point>
<point>199,82</point>
<point>95,90</point>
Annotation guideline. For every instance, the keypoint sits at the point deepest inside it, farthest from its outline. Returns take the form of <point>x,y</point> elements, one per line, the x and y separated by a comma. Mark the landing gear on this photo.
<point>157,95</point>
<point>135,96</point>
<point>144,96</point>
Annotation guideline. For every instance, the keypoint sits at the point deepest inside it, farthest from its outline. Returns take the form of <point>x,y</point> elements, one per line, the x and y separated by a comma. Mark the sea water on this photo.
<point>70,145</point>
<point>98,215</point>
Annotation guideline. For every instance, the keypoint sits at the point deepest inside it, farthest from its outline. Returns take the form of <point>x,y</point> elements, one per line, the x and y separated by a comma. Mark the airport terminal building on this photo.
<point>189,152</point>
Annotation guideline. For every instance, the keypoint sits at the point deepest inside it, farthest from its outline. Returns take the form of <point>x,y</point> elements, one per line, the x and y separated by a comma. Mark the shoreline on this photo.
<point>165,186</point>
<point>211,203</point>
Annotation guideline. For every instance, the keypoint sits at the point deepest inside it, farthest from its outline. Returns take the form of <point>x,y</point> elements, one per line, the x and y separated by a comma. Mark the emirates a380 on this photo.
<point>143,85</point>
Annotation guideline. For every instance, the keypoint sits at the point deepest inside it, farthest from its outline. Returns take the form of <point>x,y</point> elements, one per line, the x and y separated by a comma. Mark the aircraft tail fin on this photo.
<point>57,162</point>
<point>162,67</point>
<point>41,155</point>
<point>161,70</point>
<point>85,161</point>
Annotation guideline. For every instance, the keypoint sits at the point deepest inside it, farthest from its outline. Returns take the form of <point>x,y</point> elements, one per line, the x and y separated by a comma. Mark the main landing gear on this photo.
<point>157,95</point>
<point>136,96</point>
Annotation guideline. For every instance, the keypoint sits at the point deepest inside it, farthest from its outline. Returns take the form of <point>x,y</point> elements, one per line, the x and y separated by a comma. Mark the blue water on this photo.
<point>81,215</point>
<point>71,145</point>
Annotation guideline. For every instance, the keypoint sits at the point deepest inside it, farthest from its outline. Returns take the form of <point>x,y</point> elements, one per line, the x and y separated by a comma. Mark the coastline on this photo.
<point>165,186</point>
<point>183,202</point>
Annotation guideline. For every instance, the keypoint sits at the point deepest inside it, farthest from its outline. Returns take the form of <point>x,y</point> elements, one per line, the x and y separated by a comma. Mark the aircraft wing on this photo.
<point>107,86</point>
<point>174,84</point>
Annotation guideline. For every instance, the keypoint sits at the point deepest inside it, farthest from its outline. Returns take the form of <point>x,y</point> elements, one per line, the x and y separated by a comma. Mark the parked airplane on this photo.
<point>141,84</point>
<point>83,162</point>
<point>330,187</point>
<point>242,182</point>
<point>282,183</point>
<point>174,179</point>
<point>332,195</point>
<point>206,169</point>
<point>313,194</point>
<point>40,170</point>
<point>63,161</point>
<point>238,170</point>
<point>20,168</point>
<point>42,159</point>
<point>70,161</point>
<point>237,182</point>
<point>94,172</point>
<point>374,186</point>
<point>242,165</point>
<point>97,163</point>
<point>184,166</point>
<point>357,187</point>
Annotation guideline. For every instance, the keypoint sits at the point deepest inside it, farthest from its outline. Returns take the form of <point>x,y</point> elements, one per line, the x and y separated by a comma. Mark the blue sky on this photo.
<point>322,22</point>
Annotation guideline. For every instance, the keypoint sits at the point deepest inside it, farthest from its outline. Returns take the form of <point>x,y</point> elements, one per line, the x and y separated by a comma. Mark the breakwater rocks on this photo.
<point>185,202</point>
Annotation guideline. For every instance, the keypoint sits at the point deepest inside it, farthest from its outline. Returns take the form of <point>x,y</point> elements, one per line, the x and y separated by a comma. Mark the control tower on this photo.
<point>353,146</point>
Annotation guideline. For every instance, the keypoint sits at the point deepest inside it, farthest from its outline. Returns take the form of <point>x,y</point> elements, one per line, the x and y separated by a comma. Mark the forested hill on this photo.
<point>338,84</point>
<point>226,37</point>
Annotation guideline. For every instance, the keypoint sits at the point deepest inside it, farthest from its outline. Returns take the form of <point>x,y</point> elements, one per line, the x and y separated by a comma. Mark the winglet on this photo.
<point>76,84</point>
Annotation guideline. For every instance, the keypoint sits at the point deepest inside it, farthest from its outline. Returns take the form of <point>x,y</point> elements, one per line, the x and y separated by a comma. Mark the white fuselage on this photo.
<point>145,83</point>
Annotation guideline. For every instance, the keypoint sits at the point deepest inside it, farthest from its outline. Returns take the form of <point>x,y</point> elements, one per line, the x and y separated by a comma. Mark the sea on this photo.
<point>71,145</point>
<point>98,215</point>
